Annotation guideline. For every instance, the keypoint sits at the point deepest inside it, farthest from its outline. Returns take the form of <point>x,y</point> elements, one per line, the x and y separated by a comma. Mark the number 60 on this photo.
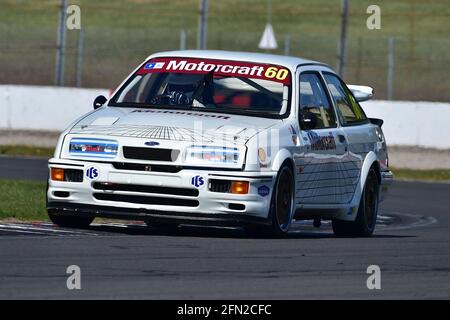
<point>274,72</point>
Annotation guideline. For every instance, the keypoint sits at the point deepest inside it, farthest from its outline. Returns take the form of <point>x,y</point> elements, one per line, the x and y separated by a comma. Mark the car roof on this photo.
<point>286,61</point>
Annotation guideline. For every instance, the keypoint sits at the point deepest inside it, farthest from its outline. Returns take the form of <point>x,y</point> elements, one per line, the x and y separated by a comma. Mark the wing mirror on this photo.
<point>308,120</point>
<point>361,93</point>
<point>99,101</point>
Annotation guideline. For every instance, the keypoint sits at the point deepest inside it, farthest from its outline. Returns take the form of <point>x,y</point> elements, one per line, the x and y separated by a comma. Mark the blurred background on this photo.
<point>116,35</point>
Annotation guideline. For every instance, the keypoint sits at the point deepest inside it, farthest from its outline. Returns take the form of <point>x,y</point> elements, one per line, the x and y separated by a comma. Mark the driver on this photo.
<point>183,88</point>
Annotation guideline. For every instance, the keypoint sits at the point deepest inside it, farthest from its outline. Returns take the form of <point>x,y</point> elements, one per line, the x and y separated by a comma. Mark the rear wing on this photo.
<point>361,93</point>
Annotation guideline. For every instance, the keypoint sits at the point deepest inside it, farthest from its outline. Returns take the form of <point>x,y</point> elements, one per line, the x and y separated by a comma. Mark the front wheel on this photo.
<point>70,221</point>
<point>366,218</point>
<point>281,206</point>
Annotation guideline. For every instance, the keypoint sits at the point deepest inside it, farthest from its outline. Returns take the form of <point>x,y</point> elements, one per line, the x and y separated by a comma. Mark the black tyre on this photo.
<point>281,206</point>
<point>70,221</point>
<point>366,218</point>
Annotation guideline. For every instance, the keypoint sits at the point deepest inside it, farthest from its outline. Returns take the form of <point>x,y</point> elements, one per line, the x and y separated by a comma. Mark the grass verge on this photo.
<point>441,175</point>
<point>21,150</point>
<point>22,199</point>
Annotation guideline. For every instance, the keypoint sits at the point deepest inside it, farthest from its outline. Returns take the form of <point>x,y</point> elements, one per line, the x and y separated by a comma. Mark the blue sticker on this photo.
<point>92,173</point>
<point>197,181</point>
<point>263,191</point>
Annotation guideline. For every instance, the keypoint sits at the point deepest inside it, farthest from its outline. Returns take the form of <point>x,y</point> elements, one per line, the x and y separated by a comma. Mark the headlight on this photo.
<point>203,154</point>
<point>98,148</point>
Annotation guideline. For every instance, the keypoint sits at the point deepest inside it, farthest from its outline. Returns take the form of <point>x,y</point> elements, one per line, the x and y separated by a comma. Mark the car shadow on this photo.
<point>217,232</point>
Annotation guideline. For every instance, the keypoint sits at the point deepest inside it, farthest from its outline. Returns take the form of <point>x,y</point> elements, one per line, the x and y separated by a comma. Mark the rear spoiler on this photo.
<point>361,93</point>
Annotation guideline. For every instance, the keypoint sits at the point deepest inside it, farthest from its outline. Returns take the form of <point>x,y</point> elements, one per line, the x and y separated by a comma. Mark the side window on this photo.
<point>313,99</point>
<point>349,110</point>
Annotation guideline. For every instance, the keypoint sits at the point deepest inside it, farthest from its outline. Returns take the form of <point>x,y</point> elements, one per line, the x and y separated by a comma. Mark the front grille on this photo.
<point>151,154</point>
<point>73,175</point>
<point>146,167</point>
<point>146,200</point>
<point>223,186</point>
<point>145,189</point>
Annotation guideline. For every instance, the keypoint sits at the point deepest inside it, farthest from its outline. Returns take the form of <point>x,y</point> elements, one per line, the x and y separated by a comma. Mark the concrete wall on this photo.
<point>413,123</point>
<point>424,124</point>
<point>44,108</point>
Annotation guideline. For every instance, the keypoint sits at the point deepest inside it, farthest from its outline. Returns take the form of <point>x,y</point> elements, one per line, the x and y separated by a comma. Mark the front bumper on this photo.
<point>229,219</point>
<point>192,204</point>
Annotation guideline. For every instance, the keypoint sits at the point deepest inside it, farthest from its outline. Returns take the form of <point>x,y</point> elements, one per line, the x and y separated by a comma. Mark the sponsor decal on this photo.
<point>292,129</point>
<point>92,173</point>
<point>151,143</point>
<point>198,181</point>
<point>98,148</point>
<point>321,142</point>
<point>219,68</point>
<point>263,191</point>
<point>352,210</point>
<point>185,113</point>
<point>262,158</point>
<point>294,136</point>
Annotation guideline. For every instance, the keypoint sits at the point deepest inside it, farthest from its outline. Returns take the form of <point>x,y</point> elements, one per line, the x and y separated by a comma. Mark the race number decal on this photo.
<point>219,68</point>
<point>278,74</point>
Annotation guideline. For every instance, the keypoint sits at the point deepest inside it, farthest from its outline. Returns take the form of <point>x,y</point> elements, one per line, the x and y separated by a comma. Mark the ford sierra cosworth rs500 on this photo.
<point>224,138</point>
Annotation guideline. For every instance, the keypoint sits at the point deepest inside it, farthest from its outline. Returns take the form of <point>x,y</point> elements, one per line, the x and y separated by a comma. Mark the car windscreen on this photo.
<point>211,85</point>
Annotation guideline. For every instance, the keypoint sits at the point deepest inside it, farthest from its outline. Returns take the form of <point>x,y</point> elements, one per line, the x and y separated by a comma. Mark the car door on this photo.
<point>324,145</point>
<point>356,127</point>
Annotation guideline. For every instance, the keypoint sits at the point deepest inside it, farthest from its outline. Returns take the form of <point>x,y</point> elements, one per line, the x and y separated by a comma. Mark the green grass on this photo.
<point>424,175</point>
<point>120,33</point>
<point>20,150</point>
<point>23,200</point>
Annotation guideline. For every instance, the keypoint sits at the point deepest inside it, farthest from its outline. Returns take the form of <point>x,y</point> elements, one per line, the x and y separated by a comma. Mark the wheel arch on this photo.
<point>370,161</point>
<point>285,157</point>
<point>282,157</point>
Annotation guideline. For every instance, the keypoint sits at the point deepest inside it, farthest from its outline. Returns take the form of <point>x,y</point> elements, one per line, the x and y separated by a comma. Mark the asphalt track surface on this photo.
<point>411,246</point>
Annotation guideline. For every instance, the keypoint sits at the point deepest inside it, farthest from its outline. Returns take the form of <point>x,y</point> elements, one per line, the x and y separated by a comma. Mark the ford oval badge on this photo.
<point>152,143</point>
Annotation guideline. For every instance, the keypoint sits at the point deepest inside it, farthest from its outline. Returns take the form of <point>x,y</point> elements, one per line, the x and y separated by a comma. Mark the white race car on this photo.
<point>216,137</point>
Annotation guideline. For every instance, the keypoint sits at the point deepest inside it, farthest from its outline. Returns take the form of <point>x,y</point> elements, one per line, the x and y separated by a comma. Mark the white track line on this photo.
<point>21,231</point>
<point>35,228</point>
<point>420,221</point>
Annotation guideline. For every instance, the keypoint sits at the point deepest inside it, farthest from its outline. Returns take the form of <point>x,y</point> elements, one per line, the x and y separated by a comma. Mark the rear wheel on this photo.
<point>70,221</point>
<point>282,204</point>
<point>366,218</point>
